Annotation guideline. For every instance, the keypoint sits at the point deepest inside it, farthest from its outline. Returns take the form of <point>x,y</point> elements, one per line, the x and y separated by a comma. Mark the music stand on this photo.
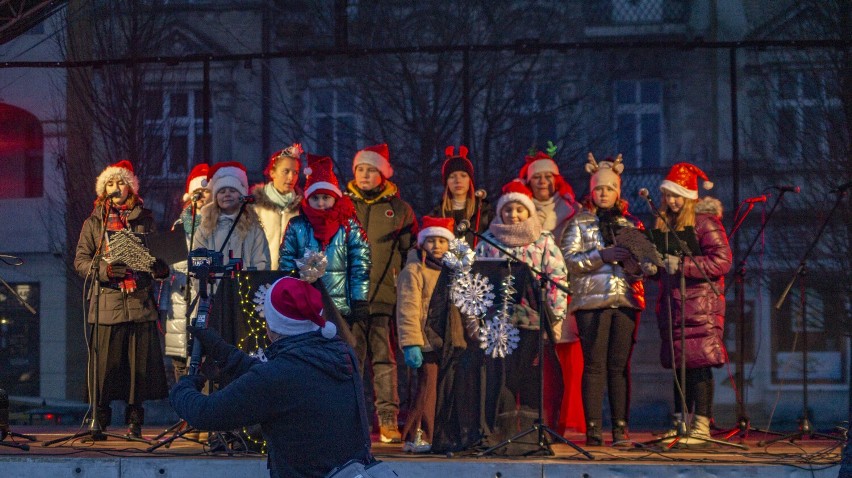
<point>805,428</point>
<point>96,431</point>
<point>542,431</point>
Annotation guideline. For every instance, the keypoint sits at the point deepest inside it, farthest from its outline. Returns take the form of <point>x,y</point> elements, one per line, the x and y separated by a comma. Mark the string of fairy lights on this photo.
<point>255,339</point>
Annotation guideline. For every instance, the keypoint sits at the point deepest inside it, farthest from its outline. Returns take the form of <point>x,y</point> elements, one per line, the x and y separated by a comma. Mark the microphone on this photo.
<point>644,193</point>
<point>756,199</point>
<point>196,196</point>
<point>114,194</point>
<point>247,199</point>
<point>843,187</point>
<point>481,194</point>
<point>463,226</point>
<point>788,189</point>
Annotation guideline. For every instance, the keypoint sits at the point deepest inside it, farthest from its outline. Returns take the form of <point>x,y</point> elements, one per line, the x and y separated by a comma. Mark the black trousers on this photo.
<point>607,337</point>
<point>698,389</point>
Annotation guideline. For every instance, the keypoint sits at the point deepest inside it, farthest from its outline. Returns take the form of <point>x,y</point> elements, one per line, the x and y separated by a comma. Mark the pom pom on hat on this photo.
<point>292,307</point>
<point>516,191</point>
<point>683,180</point>
<point>320,177</point>
<point>376,156</point>
<point>540,162</point>
<point>122,170</point>
<point>436,226</point>
<point>227,174</point>
<point>197,179</point>
<point>456,162</point>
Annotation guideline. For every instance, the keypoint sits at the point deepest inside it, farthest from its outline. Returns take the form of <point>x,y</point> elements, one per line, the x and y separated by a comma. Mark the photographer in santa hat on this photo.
<point>307,396</point>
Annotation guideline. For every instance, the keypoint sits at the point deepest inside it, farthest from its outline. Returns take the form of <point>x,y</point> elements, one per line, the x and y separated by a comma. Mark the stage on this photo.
<point>119,458</point>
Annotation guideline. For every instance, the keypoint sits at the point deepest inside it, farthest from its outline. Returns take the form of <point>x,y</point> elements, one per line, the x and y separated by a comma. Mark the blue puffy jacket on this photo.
<point>347,277</point>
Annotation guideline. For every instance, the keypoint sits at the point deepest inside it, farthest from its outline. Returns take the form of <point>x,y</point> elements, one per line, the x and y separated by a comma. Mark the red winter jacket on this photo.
<point>704,310</point>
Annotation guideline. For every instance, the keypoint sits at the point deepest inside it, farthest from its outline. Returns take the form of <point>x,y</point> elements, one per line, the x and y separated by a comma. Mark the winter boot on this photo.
<point>134,416</point>
<point>593,434</point>
<point>389,429</point>
<point>699,431</point>
<point>619,433</point>
<point>104,416</point>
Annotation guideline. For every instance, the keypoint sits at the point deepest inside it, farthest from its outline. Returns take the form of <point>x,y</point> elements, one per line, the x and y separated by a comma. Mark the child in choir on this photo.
<point>278,200</point>
<point>607,297</point>
<point>414,291</point>
<point>327,224</point>
<point>704,310</point>
<point>228,183</point>
<point>460,200</point>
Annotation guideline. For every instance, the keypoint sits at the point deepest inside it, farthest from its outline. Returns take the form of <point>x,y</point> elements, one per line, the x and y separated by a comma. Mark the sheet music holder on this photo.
<point>170,246</point>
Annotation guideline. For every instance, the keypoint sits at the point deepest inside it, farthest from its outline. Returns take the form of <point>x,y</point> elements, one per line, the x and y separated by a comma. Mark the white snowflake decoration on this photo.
<point>498,337</point>
<point>259,296</point>
<point>459,256</point>
<point>260,354</point>
<point>472,294</point>
<point>312,266</point>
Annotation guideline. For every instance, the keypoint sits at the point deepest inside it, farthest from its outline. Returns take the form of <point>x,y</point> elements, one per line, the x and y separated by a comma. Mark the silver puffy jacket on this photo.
<point>595,284</point>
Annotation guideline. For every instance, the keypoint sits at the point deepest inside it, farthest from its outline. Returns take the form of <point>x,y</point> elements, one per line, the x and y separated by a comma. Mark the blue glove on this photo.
<point>413,356</point>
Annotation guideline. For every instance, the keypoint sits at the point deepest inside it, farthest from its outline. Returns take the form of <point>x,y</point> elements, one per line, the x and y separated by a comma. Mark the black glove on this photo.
<point>212,345</point>
<point>197,380</point>
<point>360,311</point>
<point>614,254</point>
<point>108,271</point>
<point>160,270</point>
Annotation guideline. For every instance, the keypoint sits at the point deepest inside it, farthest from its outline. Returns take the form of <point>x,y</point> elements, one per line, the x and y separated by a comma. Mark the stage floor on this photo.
<point>120,458</point>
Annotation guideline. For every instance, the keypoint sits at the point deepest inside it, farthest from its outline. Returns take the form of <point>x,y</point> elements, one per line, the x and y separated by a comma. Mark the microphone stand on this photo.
<point>743,426</point>
<point>539,427</point>
<point>682,425</point>
<point>96,431</point>
<point>805,429</point>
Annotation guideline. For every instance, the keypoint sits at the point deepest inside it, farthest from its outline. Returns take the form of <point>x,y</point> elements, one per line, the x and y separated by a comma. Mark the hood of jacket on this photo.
<point>390,190</point>
<point>331,356</point>
<point>262,199</point>
<point>709,205</point>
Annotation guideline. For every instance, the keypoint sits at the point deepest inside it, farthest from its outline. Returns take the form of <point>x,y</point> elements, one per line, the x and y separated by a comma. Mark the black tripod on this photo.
<point>681,425</point>
<point>805,428</point>
<point>96,431</point>
<point>743,426</point>
<point>544,433</point>
<point>4,425</point>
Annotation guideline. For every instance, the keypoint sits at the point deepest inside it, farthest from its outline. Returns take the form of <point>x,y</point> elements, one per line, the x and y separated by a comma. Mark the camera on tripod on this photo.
<point>207,261</point>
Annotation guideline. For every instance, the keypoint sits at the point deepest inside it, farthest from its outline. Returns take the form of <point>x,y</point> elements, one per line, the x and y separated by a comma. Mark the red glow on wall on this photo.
<point>21,153</point>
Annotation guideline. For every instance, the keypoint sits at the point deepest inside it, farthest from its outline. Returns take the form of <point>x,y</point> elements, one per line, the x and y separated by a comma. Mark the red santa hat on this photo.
<point>605,173</point>
<point>120,170</point>
<point>293,306</point>
<point>376,156</point>
<point>230,174</point>
<point>456,162</point>
<point>320,177</point>
<point>436,226</point>
<point>683,180</point>
<point>197,179</point>
<point>516,191</point>
<point>539,163</point>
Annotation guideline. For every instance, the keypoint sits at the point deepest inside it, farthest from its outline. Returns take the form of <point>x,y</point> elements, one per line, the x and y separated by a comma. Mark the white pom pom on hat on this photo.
<point>683,180</point>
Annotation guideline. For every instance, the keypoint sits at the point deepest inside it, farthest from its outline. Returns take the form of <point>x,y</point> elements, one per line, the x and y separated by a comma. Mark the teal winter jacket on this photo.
<point>347,277</point>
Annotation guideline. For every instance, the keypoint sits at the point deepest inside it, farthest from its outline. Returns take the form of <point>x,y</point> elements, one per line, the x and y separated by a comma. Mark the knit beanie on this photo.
<point>456,162</point>
<point>605,173</point>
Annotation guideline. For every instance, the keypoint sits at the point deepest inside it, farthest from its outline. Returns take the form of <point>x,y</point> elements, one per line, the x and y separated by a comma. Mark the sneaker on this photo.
<point>389,429</point>
<point>418,445</point>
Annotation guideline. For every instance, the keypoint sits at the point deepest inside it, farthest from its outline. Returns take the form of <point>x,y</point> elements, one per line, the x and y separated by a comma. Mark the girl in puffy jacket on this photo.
<point>698,223</point>
<point>327,224</point>
<point>607,297</point>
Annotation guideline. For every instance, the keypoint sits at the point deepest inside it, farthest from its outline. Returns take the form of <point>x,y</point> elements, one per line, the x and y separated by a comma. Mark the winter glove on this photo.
<point>672,263</point>
<point>212,345</point>
<point>648,268</point>
<point>116,270</point>
<point>360,311</point>
<point>614,254</point>
<point>413,356</point>
<point>196,380</point>
<point>160,270</point>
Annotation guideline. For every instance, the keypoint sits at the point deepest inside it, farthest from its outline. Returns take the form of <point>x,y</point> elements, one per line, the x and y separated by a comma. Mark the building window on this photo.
<point>637,11</point>
<point>21,154</point>
<point>334,122</point>
<point>534,122</point>
<point>639,121</point>
<point>808,110</point>
<point>175,119</point>
<point>19,340</point>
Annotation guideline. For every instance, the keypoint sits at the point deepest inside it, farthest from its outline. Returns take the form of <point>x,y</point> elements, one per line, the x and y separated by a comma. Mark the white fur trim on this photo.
<point>542,166</point>
<point>281,324</point>
<point>114,171</point>
<point>322,185</point>
<point>434,231</point>
<point>375,160</point>
<point>676,188</point>
<point>515,197</point>
<point>196,183</point>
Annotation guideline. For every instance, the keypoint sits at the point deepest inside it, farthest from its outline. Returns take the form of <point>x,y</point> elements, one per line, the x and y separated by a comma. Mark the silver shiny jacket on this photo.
<point>595,284</point>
